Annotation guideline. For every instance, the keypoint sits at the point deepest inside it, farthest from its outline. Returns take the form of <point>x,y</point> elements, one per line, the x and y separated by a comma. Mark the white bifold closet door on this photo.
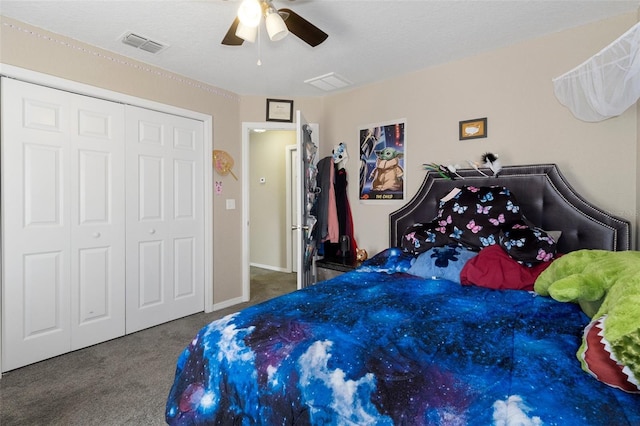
<point>165,222</point>
<point>102,220</point>
<point>63,222</point>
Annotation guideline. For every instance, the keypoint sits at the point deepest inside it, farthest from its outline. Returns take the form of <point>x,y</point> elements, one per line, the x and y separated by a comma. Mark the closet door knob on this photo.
<point>152,231</point>
<point>96,235</point>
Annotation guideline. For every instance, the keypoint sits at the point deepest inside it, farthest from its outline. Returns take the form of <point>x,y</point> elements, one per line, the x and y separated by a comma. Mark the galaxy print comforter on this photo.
<point>377,346</point>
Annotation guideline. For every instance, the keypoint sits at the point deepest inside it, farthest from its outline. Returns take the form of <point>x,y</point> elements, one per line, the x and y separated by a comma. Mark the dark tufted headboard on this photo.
<point>545,197</point>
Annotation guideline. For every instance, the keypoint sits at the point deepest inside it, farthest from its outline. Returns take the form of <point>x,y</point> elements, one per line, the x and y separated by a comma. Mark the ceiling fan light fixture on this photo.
<point>276,28</point>
<point>250,12</point>
<point>246,33</point>
<point>278,23</point>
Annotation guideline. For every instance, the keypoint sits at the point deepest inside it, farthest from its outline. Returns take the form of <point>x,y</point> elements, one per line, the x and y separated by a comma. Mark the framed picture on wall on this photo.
<point>280,110</point>
<point>473,129</point>
<point>382,154</point>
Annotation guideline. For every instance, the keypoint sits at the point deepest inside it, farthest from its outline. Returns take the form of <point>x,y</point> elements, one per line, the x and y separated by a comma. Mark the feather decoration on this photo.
<point>475,166</point>
<point>491,161</point>
<point>454,169</point>
<point>440,169</point>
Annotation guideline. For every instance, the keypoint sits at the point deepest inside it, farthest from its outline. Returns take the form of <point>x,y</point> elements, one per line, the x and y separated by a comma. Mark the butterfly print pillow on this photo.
<point>529,245</point>
<point>474,216</point>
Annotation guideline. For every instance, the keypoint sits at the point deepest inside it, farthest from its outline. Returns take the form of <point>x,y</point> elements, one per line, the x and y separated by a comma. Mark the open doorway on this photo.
<point>267,236</point>
<point>251,160</point>
<point>270,206</point>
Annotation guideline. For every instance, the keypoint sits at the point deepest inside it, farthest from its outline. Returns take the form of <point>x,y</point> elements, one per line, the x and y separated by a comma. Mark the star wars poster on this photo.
<point>382,149</point>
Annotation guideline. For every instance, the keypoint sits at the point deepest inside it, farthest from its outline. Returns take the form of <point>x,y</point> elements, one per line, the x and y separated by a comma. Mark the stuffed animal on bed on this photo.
<point>606,284</point>
<point>361,255</point>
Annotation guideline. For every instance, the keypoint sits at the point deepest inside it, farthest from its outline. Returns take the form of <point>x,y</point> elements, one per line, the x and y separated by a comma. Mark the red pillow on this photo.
<point>494,268</point>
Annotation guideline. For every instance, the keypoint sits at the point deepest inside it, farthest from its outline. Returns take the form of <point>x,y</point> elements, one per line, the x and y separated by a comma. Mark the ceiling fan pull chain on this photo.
<point>259,48</point>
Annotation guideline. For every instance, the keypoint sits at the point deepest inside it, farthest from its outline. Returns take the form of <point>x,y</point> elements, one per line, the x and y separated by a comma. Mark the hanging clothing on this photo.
<point>333,223</point>
<point>344,211</point>
<point>320,209</point>
<point>340,188</point>
<point>333,211</point>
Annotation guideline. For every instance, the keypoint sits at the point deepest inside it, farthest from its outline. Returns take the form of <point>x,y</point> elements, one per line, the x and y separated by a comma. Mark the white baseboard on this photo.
<point>270,267</point>
<point>228,303</point>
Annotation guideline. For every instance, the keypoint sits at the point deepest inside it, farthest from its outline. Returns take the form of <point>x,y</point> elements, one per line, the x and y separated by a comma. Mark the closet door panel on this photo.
<point>187,205</point>
<point>164,218</point>
<point>184,254</point>
<point>148,264</point>
<point>184,190</point>
<point>151,177</point>
<point>36,225</point>
<point>151,278</point>
<point>42,186</point>
<point>47,114</point>
<point>93,301</point>
<point>98,225</point>
<point>42,287</point>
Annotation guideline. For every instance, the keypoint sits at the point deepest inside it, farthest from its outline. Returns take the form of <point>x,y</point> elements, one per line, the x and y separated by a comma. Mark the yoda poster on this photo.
<point>382,148</point>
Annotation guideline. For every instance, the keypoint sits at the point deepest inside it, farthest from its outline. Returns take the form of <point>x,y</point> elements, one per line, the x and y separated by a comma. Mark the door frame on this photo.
<point>35,77</point>
<point>291,208</point>
<point>247,127</point>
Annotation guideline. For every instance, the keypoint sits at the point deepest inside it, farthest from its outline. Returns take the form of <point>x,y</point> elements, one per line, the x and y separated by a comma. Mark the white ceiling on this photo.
<point>368,40</point>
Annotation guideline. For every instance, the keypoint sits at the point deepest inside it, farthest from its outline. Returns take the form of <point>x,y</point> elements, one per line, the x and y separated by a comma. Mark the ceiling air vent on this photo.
<point>328,82</point>
<point>143,43</point>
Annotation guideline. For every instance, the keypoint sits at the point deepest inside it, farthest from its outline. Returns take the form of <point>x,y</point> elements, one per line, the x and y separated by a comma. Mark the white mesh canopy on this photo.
<point>606,84</point>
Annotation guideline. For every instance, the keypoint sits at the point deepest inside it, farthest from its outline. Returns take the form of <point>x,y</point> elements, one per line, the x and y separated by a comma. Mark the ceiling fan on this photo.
<point>279,23</point>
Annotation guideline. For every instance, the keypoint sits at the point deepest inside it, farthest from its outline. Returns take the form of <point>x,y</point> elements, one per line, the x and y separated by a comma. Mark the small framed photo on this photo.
<point>473,129</point>
<point>280,110</point>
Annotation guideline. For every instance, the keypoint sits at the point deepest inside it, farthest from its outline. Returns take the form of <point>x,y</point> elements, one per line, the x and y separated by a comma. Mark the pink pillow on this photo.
<point>494,268</point>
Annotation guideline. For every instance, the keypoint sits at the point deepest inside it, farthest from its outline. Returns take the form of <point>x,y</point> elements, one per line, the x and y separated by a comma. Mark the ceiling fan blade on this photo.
<point>304,29</point>
<point>231,39</point>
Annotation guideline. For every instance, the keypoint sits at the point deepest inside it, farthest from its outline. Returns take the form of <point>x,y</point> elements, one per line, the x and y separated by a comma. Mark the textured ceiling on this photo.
<point>368,40</point>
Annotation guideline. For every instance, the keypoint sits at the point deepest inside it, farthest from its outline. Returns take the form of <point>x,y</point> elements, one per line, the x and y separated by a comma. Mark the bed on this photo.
<point>399,342</point>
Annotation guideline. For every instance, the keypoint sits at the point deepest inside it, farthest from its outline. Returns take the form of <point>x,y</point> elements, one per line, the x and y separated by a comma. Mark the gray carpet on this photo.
<point>121,382</point>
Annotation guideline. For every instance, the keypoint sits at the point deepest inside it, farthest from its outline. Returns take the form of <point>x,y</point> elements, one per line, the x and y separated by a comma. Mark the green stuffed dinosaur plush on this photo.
<point>606,284</point>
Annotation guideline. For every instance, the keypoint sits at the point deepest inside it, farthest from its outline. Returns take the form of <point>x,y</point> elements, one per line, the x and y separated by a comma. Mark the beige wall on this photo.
<point>526,124</point>
<point>511,86</point>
